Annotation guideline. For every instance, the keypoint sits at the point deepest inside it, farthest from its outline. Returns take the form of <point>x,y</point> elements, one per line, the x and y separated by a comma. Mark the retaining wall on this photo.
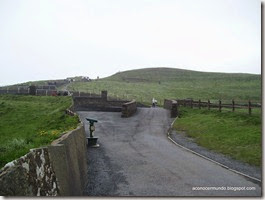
<point>59,169</point>
<point>68,155</point>
<point>30,175</point>
<point>128,109</point>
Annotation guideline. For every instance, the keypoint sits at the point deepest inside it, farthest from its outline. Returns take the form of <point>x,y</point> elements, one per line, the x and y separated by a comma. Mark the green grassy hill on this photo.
<point>235,134</point>
<point>161,83</point>
<point>31,121</point>
<point>35,121</point>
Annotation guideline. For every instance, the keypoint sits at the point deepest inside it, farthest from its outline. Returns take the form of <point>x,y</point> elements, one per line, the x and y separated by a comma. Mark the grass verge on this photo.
<point>237,135</point>
<point>30,122</point>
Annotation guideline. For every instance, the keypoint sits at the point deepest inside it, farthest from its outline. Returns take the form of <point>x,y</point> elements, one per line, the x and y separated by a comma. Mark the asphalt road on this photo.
<point>135,158</point>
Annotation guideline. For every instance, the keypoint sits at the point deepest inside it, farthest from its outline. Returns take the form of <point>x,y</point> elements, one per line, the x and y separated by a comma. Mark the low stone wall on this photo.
<point>84,94</point>
<point>9,92</point>
<point>46,87</point>
<point>96,104</point>
<point>128,109</point>
<point>59,169</point>
<point>171,105</point>
<point>167,104</point>
<point>14,92</point>
<point>23,91</point>
<point>30,175</point>
<point>39,92</point>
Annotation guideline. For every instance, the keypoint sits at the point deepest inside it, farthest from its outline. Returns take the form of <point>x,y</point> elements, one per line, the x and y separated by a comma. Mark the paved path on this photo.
<point>135,158</point>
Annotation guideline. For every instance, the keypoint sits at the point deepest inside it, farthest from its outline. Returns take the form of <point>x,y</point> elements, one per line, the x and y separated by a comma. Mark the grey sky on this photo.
<point>49,39</point>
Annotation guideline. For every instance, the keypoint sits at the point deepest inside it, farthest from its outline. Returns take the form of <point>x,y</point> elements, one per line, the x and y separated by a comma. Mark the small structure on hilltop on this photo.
<point>85,79</point>
<point>70,80</point>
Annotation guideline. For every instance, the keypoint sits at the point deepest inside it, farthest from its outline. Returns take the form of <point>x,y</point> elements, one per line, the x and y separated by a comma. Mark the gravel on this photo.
<point>103,177</point>
<point>188,142</point>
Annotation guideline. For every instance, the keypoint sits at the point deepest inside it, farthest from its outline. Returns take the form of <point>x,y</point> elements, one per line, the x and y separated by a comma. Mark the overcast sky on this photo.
<point>49,39</point>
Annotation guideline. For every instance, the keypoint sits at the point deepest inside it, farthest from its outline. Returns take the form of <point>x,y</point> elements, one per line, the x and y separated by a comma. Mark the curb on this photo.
<point>209,159</point>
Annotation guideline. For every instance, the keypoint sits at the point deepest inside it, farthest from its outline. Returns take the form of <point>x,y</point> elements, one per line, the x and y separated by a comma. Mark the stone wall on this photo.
<point>100,103</point>
<point>59,169</point>
<point>9,92</point>
<point>30,175</point>
<point>46,87</point>
<point>171,105</point>
<point>23,91</point>
<point>167,104</point>
<point>128,109</point>
<point>84,94</point>
<point>39,92</point>
<point>44,92</point>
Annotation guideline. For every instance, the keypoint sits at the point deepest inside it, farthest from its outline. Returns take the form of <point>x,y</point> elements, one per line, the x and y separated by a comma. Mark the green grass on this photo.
<point>30,122</point>
<point>143,85</point>
<point>237,135</point>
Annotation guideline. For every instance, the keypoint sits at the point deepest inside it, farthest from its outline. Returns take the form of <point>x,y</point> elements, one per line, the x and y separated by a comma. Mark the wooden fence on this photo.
<point>207,104</point>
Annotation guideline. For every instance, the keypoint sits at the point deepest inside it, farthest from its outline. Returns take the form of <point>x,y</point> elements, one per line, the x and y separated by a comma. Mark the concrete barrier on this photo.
<point>59,169</point>
<point>128,109</point>
<point>72,179</point>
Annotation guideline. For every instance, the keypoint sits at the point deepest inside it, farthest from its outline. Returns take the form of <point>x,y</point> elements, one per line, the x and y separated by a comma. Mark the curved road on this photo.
<point>135,158</point>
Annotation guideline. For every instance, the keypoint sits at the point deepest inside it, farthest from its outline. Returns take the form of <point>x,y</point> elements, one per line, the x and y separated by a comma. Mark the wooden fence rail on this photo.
<point>200,104</point>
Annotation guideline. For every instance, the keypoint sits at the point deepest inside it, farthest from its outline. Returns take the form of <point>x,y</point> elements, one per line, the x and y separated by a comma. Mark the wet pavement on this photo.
<point>135,158</point>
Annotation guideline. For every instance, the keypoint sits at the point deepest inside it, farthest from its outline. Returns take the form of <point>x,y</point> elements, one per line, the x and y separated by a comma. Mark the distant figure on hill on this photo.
<point>154,102</point>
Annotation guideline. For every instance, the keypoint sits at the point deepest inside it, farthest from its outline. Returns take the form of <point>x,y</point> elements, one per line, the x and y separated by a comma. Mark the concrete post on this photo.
<point>104,95</point>
<point>174,109</point>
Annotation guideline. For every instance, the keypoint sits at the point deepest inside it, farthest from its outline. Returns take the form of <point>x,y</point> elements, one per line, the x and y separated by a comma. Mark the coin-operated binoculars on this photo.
<point>92,141</point>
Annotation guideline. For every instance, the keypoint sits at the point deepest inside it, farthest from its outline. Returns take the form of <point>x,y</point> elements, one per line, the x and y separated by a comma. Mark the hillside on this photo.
<point>31,121</point>
<point>175,75</point>
<point>161,83</point>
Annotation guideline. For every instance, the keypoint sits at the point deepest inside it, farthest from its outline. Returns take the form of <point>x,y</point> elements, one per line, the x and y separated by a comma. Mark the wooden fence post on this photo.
<point>184,102</point>
<point>220,106</point>
<point>208,104</point>
<point>233,105</point>
<point>249,107</point>
<point>199,104</point>
<point>191,103</point>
